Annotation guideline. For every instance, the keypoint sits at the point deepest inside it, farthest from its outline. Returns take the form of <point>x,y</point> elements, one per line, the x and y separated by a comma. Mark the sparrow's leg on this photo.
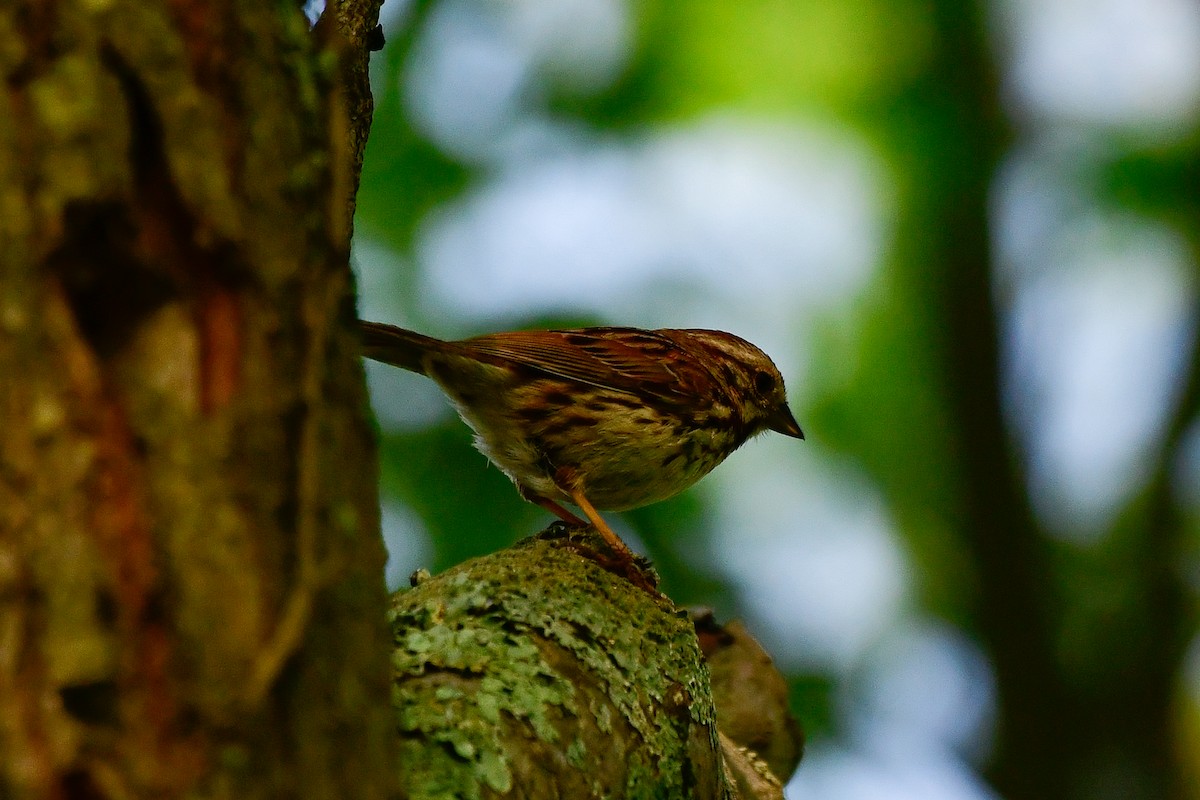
<point>553,507</point>
<point>622,561</point>
<point>619,547</point>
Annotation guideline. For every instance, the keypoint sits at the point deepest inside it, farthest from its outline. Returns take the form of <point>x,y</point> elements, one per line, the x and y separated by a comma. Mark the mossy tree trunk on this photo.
<point>536,673</point>
<point>191,593</point>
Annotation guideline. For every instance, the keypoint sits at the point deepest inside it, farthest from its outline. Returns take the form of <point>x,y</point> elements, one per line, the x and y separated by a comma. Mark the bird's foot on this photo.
<point>624,563</point>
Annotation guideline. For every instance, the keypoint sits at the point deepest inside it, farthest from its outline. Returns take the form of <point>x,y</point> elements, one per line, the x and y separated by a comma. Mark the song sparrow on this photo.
<point>608,418</point>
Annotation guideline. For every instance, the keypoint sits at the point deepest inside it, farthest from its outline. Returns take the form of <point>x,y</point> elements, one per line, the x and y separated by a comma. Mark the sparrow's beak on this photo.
<point>782,421</point>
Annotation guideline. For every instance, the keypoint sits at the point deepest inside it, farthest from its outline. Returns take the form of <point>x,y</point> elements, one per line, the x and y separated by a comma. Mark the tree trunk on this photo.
<point>191,593</point>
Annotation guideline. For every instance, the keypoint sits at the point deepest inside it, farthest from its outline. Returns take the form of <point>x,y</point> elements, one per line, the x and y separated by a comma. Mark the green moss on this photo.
<point>511,678</point>
<point>470,660</point>
<point>577,753</point>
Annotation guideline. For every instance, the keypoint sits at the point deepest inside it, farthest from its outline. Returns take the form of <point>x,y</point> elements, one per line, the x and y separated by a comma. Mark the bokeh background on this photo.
<point>967,232</point>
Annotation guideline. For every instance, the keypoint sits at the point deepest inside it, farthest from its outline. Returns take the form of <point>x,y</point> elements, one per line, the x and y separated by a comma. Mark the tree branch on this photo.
<point>535,673</point>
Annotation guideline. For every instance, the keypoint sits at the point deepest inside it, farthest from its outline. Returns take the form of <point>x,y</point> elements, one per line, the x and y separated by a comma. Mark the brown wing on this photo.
<point>631,360</point>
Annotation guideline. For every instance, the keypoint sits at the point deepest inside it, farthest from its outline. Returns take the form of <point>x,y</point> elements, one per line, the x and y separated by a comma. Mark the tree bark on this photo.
<point>191,593</point>
<point>535,673</point>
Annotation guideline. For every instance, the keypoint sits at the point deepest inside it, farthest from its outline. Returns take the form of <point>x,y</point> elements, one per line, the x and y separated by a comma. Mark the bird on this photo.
<point>604,418</point>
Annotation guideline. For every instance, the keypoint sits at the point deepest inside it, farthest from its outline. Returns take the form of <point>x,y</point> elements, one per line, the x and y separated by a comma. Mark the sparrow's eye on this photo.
<point>764,382</point>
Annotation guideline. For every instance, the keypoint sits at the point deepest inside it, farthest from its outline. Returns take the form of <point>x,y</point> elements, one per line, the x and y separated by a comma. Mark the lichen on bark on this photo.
<point>535,671</point>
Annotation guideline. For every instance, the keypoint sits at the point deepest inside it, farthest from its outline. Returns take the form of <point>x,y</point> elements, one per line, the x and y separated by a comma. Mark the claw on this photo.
<point>622,561</point>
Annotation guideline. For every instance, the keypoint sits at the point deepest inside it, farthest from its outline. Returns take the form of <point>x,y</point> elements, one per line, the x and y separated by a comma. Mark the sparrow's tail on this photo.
<point>396,346</point>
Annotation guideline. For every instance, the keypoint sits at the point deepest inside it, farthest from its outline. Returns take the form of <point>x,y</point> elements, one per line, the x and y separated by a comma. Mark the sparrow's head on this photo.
<point>751,380</point>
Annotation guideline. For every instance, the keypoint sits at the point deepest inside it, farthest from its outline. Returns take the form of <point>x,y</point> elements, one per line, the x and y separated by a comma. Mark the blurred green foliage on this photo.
<point>1088,643</point>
